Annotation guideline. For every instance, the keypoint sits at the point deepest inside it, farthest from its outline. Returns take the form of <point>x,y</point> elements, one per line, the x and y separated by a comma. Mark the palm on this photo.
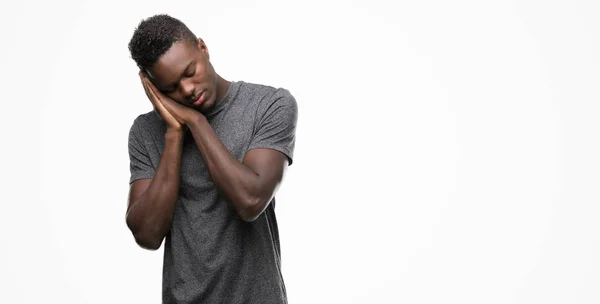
<point>153,95</point>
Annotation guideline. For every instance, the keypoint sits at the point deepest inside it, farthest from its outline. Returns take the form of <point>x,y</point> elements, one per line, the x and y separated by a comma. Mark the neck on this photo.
<point>222,87</point>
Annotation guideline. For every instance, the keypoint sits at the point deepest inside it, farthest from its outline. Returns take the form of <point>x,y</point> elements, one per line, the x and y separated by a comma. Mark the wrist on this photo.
<point>174,134</point>
<point>197,120</point>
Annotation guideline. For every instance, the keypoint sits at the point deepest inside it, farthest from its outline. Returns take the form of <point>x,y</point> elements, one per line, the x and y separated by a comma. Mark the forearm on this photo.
<point>151,215</point>
<point>239,183</point>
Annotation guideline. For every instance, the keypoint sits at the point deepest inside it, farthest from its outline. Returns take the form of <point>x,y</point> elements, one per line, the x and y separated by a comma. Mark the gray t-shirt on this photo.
<point>211,255</point>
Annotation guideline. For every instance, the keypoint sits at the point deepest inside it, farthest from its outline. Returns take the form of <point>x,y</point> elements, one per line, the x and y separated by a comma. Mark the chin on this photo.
<point>207,105</point>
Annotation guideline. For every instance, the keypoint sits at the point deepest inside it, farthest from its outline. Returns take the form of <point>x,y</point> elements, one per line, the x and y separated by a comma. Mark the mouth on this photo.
<point>198,99</point>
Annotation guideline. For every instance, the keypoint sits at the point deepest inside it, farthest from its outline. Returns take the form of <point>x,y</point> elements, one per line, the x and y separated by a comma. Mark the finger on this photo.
<point>156,100</point>
<point>144,85</point>
<point>149,92</point>
<point>164,103</point>
<point>167,102</point>
<point>159,97</point>
<point>155,92</point>
<point>142,79</point>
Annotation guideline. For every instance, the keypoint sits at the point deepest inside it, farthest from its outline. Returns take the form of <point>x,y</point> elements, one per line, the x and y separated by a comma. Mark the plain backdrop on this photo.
<point>447,151</point>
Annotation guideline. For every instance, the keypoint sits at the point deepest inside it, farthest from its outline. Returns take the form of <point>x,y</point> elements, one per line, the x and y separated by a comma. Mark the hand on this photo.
<point>183,114</point>
<point>172,122</point>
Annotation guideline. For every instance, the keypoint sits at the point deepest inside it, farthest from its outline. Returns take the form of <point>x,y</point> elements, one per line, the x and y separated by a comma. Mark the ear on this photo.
<point>203,48</point>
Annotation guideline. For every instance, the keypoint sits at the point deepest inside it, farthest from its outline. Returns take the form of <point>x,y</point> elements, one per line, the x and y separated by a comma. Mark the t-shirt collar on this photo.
<point>221,103</point>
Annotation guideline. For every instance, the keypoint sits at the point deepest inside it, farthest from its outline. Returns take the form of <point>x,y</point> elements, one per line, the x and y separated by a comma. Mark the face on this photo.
<point>184,74</point>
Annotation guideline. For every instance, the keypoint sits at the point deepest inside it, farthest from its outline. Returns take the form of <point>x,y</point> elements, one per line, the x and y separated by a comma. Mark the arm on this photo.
<point>249,185</point>
<point>151,202</point>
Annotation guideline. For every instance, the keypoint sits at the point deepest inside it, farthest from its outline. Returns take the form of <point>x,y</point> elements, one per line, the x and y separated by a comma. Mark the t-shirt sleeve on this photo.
<point>276,127</point>
<point>140,165</point>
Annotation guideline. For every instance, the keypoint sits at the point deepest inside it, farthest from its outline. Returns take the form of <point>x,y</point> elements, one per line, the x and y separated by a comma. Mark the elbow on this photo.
<point>251,208</point>
<point>143,237</point>
<point>248,217</point>
<point>146,242</point>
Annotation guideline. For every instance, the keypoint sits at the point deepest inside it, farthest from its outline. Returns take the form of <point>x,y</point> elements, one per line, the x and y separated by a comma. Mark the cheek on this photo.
<point>203,72</point>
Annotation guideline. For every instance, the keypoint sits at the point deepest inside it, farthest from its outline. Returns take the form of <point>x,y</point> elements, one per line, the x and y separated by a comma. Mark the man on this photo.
<point>205,166</point>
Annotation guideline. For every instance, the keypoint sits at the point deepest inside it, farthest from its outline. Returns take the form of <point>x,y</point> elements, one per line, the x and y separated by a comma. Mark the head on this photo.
<point>175,60</point>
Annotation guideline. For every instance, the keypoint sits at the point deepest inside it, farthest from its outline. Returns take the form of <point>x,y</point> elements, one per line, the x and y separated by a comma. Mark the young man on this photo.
<point>205,166</point>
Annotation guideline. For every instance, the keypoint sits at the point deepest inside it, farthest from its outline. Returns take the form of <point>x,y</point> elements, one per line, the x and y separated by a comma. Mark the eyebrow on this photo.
<point>165,88</point>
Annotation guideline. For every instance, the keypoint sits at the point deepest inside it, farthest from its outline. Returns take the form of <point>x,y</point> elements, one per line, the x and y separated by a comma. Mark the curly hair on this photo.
<point>154,36</point>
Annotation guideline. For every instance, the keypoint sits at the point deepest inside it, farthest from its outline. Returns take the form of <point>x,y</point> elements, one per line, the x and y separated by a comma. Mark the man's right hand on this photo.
<point>172,123</point>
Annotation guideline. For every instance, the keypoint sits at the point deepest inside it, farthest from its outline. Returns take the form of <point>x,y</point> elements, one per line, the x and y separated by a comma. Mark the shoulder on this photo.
<point>147,122</point>
<point>273,106</point>
<point>267,95</point>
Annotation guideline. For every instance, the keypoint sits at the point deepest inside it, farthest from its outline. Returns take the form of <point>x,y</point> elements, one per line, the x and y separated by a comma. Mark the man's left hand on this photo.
<point>179,111</point>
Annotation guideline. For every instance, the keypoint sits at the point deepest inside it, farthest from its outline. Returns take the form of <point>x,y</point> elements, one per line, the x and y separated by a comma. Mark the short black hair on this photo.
<point>154,36</point>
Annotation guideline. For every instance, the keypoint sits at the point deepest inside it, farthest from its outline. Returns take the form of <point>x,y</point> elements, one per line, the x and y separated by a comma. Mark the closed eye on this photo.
<point>190,71</point>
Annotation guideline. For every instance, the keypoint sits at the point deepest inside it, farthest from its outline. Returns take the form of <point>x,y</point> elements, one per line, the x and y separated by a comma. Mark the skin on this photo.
<point>172,84</point>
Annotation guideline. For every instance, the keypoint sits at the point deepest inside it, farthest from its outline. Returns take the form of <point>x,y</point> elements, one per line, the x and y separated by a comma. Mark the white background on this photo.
<point>447,151</point>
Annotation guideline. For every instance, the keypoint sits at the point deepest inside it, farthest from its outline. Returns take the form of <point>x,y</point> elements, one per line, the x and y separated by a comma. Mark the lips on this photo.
<point>198,99</point>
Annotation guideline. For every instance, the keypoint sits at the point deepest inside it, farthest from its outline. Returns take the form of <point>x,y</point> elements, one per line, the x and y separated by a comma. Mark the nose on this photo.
<point>187,88</point>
